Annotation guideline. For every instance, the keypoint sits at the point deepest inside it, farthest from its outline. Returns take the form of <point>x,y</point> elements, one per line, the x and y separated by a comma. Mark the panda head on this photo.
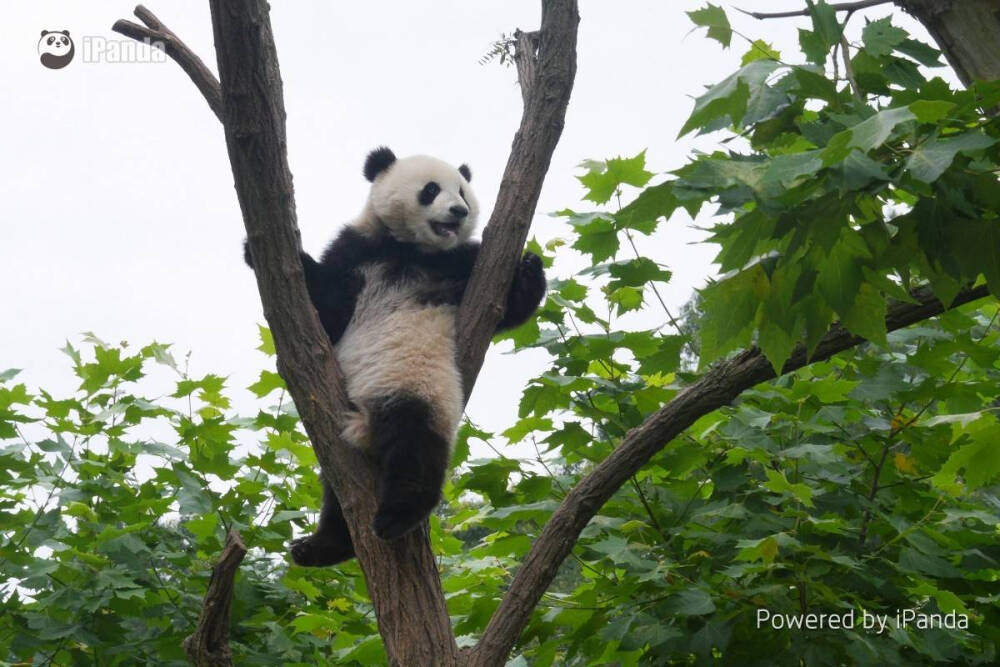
<point>55,47</point>
<point>421,200</point>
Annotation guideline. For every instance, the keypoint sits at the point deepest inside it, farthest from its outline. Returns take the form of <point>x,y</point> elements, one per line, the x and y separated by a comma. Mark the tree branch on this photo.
<point>716,388</point>
<point>546,66</point>
<point>156,34</point>
<point>208,646</point>
<point>841,7</point>
<point>401,575</point>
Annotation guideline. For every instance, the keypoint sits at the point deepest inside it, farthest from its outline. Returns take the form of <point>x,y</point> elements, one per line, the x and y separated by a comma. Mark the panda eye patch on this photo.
<point>428,194</point>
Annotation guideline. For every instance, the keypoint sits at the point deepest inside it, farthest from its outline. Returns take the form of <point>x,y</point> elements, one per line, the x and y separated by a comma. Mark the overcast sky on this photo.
<point>118,214</point>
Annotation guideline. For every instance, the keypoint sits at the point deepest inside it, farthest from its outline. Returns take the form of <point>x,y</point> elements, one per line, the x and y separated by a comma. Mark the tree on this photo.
<point>887,190</point>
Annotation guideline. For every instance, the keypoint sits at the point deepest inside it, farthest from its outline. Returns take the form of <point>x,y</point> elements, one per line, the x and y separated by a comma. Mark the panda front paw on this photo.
<point>318,550</point>
<point>526,292</point>
<point>531,273</point>
<point>246,253</point>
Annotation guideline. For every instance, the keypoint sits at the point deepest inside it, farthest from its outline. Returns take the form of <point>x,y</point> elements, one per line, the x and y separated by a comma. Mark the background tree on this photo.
<point>857,481</point>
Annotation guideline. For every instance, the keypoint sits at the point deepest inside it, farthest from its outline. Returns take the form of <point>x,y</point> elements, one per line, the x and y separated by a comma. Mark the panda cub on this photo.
<point>387,290</point>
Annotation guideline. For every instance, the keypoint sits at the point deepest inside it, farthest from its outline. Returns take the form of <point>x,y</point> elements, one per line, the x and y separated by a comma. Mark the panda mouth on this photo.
<point>445,229</point>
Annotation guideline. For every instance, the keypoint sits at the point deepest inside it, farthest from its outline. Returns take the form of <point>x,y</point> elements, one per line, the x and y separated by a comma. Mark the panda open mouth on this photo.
<point>445,229</point>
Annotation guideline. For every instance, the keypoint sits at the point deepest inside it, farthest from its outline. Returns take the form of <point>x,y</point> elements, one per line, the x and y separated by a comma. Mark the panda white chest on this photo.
<point>398,343</point>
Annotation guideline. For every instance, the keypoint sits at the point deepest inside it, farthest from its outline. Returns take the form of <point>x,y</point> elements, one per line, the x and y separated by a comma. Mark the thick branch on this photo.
<point>546,82</point>
<point>401,575</point>
<point>716,388</point>
<point>840,7</point>
<point>208,646</point>
<point>156,34</point>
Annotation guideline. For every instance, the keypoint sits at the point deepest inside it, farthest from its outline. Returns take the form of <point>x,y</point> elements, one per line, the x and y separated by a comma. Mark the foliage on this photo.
<point>867,483</point>
<point>113,503</point>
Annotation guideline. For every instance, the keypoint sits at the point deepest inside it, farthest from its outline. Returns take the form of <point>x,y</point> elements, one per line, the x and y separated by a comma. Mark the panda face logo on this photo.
<point>55,48</point>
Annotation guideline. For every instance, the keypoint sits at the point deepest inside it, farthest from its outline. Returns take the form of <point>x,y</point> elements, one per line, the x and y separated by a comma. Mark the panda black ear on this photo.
<point>378,161</point>
<point>45,32</point>
<point>465,172</point>
<point>65,32</point>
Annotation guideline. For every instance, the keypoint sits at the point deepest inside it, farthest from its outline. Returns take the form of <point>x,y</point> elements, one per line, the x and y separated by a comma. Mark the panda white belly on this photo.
<point>396,345</point>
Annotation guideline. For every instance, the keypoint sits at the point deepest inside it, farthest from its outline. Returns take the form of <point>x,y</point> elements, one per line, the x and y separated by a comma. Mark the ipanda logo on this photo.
<point>55,48</point>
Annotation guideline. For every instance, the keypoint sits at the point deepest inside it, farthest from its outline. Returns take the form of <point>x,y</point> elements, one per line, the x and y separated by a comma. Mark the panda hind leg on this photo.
<point>331,543</point>
<point>413,458</point>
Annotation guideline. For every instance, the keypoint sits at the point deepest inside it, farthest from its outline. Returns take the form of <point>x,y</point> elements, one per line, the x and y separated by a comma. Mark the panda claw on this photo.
<point>318,551</point>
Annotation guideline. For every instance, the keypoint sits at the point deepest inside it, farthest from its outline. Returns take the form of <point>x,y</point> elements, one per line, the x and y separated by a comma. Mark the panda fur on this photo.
<point>387,291</point>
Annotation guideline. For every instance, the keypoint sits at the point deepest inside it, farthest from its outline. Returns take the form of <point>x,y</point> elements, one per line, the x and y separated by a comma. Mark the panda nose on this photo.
<point>459,211</point>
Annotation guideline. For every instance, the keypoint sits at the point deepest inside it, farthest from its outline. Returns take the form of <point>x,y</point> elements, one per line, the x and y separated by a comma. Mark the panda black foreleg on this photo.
<point>526,292</point>
<point>413,458</point>
<point>331,543</point>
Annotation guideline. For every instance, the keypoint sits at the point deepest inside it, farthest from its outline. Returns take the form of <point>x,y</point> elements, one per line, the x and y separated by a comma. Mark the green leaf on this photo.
<point>979,461</point>
<point>777,482</point>
<point>931,111</point>
<point>729,97</point>
<point>266,341</point>
<point>760,49</point>
<point>602,180</point>
<point>636,273</point>
<point>873,132</point>
<point>881,37</point>
<point>926,55</point>
<point>268,382</point>
<point>626,299</point>
<point>645,211</point>
<point>691,602</point>
<point>714,18</point>
<point>866,315</point>
<point>931,158</point>
<point>812,83</point>
<point>730,307</point>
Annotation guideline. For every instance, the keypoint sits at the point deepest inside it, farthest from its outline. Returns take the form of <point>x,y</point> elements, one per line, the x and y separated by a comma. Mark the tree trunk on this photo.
<point>966,31</point>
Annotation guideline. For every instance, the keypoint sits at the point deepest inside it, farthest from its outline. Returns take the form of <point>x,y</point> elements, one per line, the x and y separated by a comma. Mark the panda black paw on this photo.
<point>532,276</point>
<point>318,550</point>
<point>246,253</point>
<point>397,520</point>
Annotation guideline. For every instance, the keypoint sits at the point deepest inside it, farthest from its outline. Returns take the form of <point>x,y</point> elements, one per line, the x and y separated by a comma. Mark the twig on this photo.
<point>209,645</point>
<point>845,51</point>
<point>157,35</point>
<point>841,7</point>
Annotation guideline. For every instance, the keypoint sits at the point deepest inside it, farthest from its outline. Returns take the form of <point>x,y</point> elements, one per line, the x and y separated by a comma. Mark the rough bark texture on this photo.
<point>546,65</point>
<point>401,575</point>
<point>716,388</point>
<point>967,31</point>
<point>208,646</point>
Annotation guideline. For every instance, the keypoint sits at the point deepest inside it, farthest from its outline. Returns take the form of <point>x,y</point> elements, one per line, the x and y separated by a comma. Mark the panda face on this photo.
<point>422,200</point>
<point>56,43</point>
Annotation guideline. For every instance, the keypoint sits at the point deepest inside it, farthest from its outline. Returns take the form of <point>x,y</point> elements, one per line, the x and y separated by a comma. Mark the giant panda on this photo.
<point>387,290</point>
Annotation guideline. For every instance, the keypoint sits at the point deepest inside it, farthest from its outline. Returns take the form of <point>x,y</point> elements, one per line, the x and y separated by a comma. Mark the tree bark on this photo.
<point>546,66</point>
<point>966,31</point>
<point>208,646</point>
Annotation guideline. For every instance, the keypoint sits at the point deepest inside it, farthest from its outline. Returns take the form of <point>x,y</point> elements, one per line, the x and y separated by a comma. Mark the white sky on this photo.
<point>118,214</point>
